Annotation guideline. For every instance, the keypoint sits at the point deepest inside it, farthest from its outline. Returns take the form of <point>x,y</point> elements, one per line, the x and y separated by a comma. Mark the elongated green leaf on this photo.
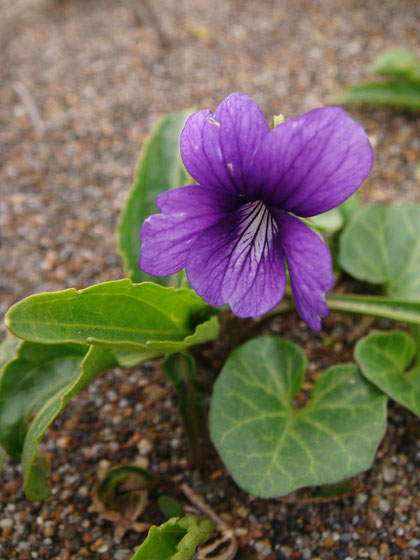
<point>397,62</point>
<point>376,306</point>
<point>35,388</point>
<point>36,375</point>
<point>382,245</point>
<point>96,361</point>
<point>37,487</point>
<point>383,359</point>
<point>132,359</point>
<point>269,446</point>
<point>159,169</point>
<point>118,315</point>
<point>177,539</point>
<point>2,458</point>
<point>396,94</point>
<point>8,348</point>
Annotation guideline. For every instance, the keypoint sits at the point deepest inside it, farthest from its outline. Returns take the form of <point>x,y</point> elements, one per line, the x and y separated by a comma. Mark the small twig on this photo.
<point>229,534</point>
<point>30,108</point>
<point>361,328</point>
<point>201,505</point>
<point>144,13</point>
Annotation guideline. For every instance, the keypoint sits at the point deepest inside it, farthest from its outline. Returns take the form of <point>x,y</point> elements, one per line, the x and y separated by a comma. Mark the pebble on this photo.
<point>145,446</point>
<point>361,498</point>
<point>384,506</point>
<point>389,474</point>
<point>122,554</point>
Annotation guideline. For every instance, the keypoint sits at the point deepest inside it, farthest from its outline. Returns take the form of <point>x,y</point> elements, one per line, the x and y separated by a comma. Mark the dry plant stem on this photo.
<point>145,14</point>
<point>229,534</point>
<point>201,505</point>
<point>228,554</point>
<point>361,328</point>
<point>30,108</point>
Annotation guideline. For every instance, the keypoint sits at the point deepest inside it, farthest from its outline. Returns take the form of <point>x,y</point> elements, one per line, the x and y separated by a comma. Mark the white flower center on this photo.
<point>256,229</point>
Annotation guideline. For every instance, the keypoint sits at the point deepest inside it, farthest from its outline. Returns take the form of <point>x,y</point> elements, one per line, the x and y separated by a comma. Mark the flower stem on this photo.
<point>376,306</point>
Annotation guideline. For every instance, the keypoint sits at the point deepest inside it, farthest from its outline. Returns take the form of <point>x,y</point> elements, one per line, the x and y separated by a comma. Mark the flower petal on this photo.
<point>310,267</point>
<point>239,261</point>
<point>314,162</point>
<point>218,148</point>
<point>187,211</point>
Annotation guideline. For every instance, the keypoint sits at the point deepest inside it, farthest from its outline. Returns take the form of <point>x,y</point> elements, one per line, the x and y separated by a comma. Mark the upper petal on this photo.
<point>218,148</point>
<point>314,162</point>
<point>239,261</point>
<point>187,211</point>
<point>310,267</point>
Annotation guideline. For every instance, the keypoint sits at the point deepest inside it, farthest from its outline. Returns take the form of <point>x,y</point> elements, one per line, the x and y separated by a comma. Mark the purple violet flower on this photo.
<point>233,231</point>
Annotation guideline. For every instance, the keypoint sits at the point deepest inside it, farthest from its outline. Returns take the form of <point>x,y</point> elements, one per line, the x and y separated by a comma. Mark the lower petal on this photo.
<point>239,261</point>
<point>310,268</point>
<point>187,212</point>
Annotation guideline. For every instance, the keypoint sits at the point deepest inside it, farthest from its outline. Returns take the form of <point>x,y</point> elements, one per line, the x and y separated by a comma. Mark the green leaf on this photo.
<point>376,306</point>
<point>177,539</point>
<point>118,315</point>
<point>350,207</point>
<point>2,457</point>
<point>397,62</point>
<point>271,447</point>
<point>132,359</point>
<point>180,369</point>
<point>37,486</point>
<point>159,169</point>
<point>120,475</point>
<point>384,359</point>
<point>396,93</point>
<point>97,360</point>
<point>37,374</point>
<point>8,348</point>
<point>169,506</point>
<point>330,221</point>
<point>381,245</point>
<point>35,388</point>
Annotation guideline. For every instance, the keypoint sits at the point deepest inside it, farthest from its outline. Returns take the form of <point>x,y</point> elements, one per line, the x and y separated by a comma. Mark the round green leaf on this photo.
<point>271,447</point>
<point>382,245</point>
<point>383,359</point>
